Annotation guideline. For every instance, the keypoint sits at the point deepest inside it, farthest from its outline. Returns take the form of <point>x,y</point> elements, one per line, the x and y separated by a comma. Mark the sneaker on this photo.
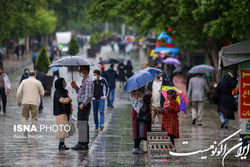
<point>102,127</point>
<point>137,151</point>
<point>194,120</point>
<point>226,127</point>
<point>112,106</point>
<point>199,124</point>
<point>63,147</point>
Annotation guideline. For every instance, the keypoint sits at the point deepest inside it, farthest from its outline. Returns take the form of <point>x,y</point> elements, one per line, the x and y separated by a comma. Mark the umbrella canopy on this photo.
<point>181,99</point>
<point>141,78</point>
<point>120,59</point>
<point>164,36</point>
<point>71,61</point>
<point>168,49</point>
<point>108,61</point>
<point>181,69</point>
<point>172,61</point>
<point>202,69</point>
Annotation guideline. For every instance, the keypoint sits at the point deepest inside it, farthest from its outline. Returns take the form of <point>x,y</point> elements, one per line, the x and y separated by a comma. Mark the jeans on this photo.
<point>111,99</point>
<point>98,104</point>
<point>223,118</point>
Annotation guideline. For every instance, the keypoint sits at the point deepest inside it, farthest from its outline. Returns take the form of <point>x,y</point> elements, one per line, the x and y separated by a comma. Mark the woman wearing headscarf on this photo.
<point>140,99</point>
<point>226,102</point>
<point>62,108</point>
<point>25,75</point>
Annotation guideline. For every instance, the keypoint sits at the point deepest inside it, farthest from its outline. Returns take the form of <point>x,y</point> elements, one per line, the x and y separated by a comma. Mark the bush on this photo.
<point>73,46</point>
<point>92,41</point>
<point>42,60</point>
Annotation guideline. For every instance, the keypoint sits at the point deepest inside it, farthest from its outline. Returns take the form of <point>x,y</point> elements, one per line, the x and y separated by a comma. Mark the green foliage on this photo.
<point>42,60</point>
<point>93,41</point>
<point>22,18</point>
<point>73,46</point>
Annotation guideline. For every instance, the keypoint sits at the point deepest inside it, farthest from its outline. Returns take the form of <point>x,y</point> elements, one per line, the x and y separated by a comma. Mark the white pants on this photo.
<point>197,110</point>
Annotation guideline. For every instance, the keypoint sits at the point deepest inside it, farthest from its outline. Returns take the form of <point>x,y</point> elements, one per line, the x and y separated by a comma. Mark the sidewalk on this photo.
<point>12,64</point>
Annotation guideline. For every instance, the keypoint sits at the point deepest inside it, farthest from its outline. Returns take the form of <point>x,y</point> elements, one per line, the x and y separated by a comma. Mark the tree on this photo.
<point>42,60</point>
<point>200,23</point>
<point>22,18</point>
<point>73,46</point>
<point>93,41</point>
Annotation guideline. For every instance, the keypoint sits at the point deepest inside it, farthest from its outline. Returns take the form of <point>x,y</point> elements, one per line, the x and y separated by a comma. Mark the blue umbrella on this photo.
<point>168,49</point>
<point>141,78</point>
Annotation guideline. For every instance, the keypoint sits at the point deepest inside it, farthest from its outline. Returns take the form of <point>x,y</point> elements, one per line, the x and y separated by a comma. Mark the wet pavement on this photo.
<point>111,147</point>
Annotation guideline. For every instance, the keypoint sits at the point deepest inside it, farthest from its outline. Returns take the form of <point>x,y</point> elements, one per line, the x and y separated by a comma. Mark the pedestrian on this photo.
<point>140,100</point>
<point>129,69</point>
<point>62,109</point>
<point>57,52</point>
<point>196,94</point>
<point>101,91</point>
<point>226,102</point>
<point>157,98</point>
<point>17,51</point>
<point>34,57</point>
<point>102,66</point>
<point>180,82</point>
<point>170,110</point>
<point>111,75</point>
<point>25,75</point>
<point>5,88</point>
<point>56,72</point>
<point>22,48</point>
<point>84,96</point>
<point>121,74</point>
<point>29,94</point>
<point>112,45</point>
<point>40,76</point>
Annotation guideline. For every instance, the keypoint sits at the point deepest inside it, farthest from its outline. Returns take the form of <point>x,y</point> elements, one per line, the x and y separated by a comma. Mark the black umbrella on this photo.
<point>109,61</point>
<point>202,69</point>
<point>71,61</point>
<point>120,59</point>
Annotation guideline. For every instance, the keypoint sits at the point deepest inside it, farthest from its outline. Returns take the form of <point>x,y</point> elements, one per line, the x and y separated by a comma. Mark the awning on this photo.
<point>234,54</point>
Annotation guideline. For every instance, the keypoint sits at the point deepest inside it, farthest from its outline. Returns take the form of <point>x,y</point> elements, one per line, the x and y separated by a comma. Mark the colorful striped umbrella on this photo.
<point>181,99</point>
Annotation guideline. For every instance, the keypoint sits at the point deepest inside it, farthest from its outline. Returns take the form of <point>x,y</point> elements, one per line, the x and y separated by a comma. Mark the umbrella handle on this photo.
<point>72,73</point>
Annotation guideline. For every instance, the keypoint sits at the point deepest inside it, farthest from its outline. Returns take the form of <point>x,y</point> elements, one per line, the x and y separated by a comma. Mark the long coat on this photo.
<point>140,129</point>
<point>226,103</point>
<point>170,121</point>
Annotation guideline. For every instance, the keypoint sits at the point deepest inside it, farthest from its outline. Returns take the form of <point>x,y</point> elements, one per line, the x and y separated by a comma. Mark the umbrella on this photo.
<point>168,49</point>
<point>141,78</point>
<point>108,61</point>
<point>71,61</point>
<point>120,59</point>
<point>202,69</point>
<point>181,69</point>
<point>172,61</point>
<point>181,99</point>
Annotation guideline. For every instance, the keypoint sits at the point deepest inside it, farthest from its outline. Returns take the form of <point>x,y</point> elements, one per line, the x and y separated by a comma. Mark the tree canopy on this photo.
<point>22,18</point>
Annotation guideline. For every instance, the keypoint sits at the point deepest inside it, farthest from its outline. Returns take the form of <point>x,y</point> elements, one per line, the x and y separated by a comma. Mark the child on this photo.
<point>170,121</point>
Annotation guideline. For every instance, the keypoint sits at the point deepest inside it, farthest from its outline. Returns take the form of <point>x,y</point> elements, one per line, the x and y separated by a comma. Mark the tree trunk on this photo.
<point>27,43</point>
<point>213,47</point>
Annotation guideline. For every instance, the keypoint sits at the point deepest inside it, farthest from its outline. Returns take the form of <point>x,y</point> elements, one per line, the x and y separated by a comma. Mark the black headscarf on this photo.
<point>228,83</point>
<point>59,86</point>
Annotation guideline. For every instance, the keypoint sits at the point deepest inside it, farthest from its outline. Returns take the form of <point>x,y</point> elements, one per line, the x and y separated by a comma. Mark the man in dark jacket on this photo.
<point>101,91</point>
<point>111,75</point>
<point>157,98</point>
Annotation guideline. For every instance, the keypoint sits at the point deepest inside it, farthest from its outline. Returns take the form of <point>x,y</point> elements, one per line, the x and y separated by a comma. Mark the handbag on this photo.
<point>145,114</point>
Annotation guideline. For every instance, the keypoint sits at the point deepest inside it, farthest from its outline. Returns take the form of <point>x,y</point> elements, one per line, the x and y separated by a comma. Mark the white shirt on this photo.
<point>156,93</point>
